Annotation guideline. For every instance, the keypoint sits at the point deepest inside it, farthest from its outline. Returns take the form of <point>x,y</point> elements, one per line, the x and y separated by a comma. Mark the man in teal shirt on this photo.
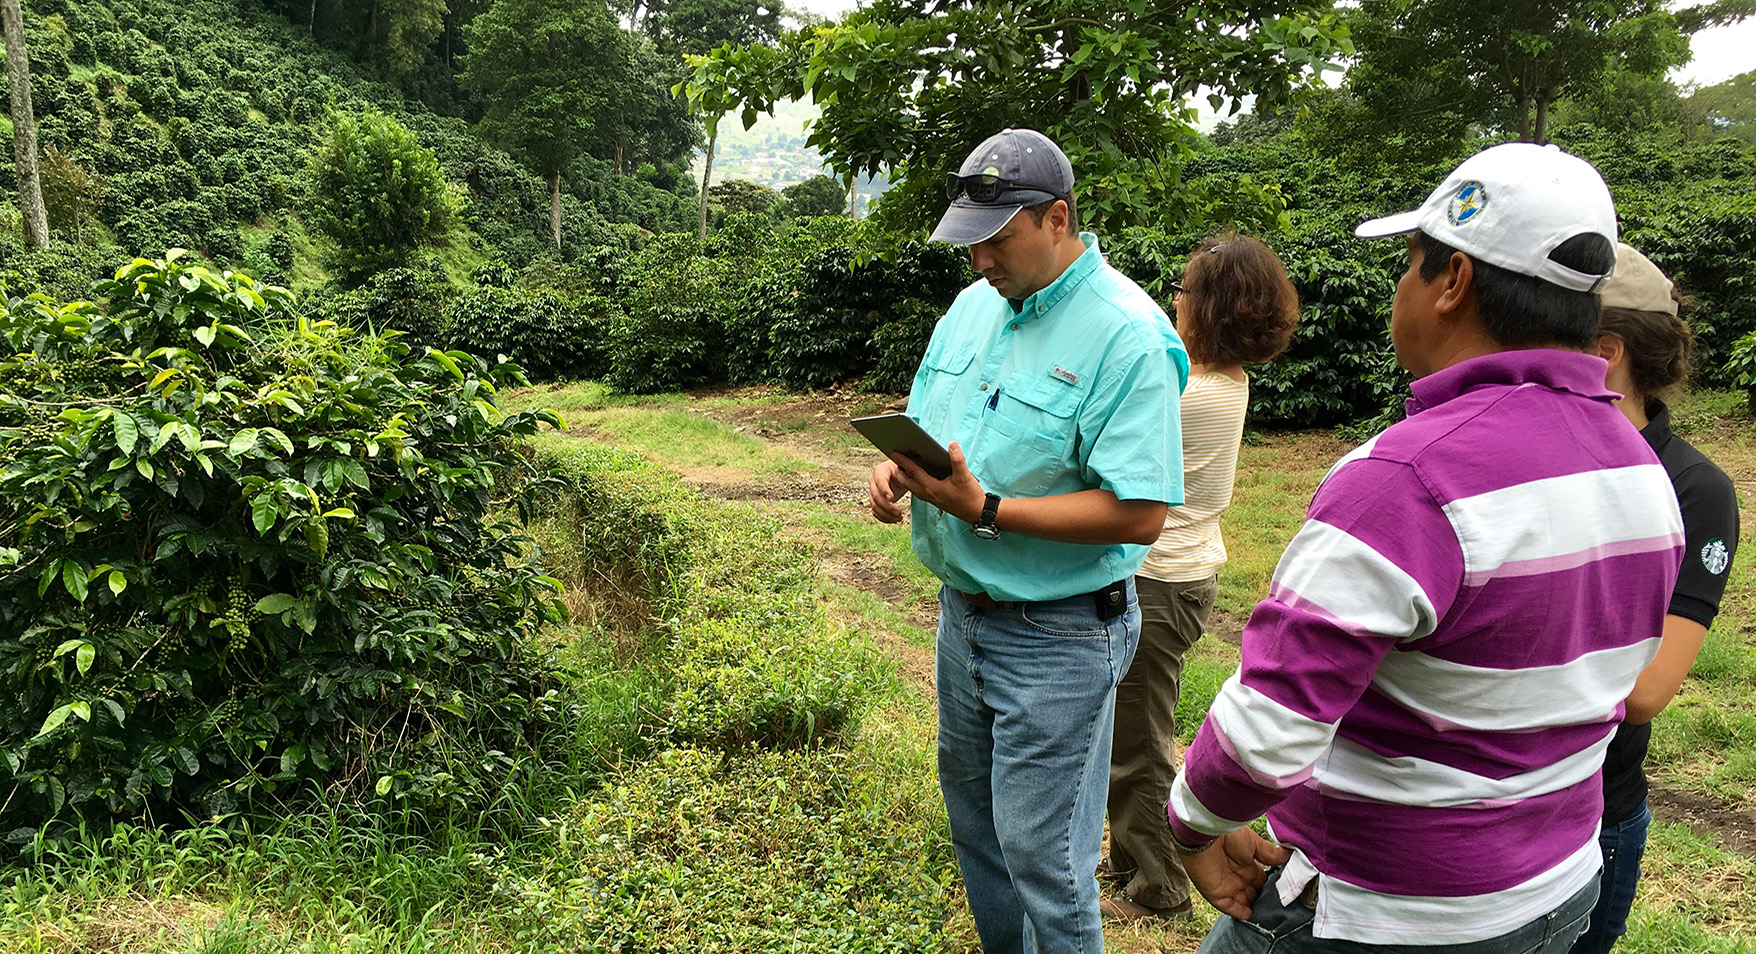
<point>1054,382</point>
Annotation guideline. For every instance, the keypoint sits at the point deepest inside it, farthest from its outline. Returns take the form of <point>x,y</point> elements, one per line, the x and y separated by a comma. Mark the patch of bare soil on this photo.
<point>1229,628</point>
<point>1706,815</point>
<point>812,426</point>
<point>801,488</point>
<point>866,572</point>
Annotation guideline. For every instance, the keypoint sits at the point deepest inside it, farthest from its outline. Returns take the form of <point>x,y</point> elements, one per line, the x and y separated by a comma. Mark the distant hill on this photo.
<point>773,152</point>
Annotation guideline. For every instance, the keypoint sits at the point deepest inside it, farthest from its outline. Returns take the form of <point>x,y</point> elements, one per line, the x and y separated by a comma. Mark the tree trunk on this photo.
<point>1541,133</point>
<point>854,196</point>
<point>1523,118</point>
<point>706,177</point>
<point>24,129</point>
<point>620,169</point>
<point>555,206</point>
<point>313,17</point>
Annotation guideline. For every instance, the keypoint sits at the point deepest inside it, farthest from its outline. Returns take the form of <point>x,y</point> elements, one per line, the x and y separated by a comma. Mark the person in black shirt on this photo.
<point>1647,347</point>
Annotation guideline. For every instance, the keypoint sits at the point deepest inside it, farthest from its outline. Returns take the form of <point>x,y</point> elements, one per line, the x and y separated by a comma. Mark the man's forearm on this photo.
<point>1084,516</point>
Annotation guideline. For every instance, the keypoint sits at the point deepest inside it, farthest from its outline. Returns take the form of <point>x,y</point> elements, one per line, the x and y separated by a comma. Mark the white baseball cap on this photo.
<point>1638,285</point>
<point>1510,206</point>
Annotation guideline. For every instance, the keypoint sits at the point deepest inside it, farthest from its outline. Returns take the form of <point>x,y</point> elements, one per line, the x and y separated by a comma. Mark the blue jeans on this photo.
<point>1027,695</point>
<point>1286,929</point>
<point>1623,845</point>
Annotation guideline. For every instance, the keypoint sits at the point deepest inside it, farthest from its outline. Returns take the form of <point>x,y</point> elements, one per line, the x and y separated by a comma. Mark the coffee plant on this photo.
<point>246,556</point>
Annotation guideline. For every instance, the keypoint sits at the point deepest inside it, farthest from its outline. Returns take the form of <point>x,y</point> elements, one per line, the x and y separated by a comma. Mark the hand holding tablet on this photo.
<point>899,434</point>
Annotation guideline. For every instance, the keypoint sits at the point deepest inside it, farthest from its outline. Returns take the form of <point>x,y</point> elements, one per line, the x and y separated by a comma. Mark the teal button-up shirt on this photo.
<point>1077,387</point>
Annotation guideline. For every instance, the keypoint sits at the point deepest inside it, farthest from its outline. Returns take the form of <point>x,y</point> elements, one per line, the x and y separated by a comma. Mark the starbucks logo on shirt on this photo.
<point>1715,557</point>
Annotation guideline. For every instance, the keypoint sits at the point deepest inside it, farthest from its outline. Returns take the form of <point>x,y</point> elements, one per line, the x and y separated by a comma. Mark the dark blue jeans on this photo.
<point>1623,844</point>
<point>1275,928</point>
<point>1027,698</point>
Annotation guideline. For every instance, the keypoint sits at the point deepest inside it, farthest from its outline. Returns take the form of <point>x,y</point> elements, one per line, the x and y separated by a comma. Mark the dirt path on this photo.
<point>813,428</point>
<point>1706,815</point>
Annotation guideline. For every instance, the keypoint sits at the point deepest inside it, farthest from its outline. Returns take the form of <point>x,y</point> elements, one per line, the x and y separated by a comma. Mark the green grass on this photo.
<point>862,534</point>
<point>682,439</point>
<point>585,396</point>
<point>659,427</point>
<point>877,612</point>
<point>1706,739</point>
<point>1275,480</point>
<point>1693,896</point>
<point>836,846</point>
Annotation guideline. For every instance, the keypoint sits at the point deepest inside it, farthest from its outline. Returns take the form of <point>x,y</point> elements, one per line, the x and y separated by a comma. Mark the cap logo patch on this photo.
<point>1715,557</point>
<point>1468,204</point>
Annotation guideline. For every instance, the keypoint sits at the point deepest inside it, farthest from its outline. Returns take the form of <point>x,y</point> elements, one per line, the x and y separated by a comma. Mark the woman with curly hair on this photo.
<point>1647,346</point>
<point>1235,306</point>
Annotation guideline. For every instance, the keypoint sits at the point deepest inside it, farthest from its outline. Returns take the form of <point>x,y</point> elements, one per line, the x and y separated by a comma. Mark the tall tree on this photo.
<point>1729,107</point>
<point>1448,66</point>
<point>550,70</point>
<point>748,78</point>
<point>911,85</point>
<point>696,26</point>
<point>24,128</point>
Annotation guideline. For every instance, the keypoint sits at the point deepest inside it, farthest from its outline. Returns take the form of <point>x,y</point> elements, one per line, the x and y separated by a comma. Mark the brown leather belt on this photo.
<point>979,599</point>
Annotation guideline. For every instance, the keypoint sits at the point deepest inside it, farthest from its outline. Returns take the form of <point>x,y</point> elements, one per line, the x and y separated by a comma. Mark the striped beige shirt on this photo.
<point>1190,549</point>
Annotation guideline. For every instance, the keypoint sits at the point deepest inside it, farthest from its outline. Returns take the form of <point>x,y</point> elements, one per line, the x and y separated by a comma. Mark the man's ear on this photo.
<point>1058,218</point>
<point>1458,279</point>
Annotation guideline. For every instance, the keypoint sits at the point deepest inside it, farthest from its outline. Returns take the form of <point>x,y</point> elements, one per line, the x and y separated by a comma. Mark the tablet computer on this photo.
<point>899,434</point>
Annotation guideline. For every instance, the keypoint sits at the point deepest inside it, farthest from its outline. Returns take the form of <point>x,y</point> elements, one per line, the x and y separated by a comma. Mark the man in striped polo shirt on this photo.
<point>1426,694</point>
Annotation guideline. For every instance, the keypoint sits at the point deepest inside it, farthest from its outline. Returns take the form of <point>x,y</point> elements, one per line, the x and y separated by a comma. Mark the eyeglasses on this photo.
<point>987,188</point>
<point>1176,289</point>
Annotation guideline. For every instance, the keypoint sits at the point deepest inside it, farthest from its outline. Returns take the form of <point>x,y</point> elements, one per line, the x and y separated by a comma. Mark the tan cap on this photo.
<point>1638,285</point>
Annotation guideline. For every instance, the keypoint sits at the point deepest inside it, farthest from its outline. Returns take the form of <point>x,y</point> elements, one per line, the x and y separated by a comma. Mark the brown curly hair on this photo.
<point>1241,308</point>
<point>1658,345</point>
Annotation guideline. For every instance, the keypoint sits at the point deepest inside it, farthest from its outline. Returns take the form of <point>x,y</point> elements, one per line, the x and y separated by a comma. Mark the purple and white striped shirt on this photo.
<point>1427,692</point>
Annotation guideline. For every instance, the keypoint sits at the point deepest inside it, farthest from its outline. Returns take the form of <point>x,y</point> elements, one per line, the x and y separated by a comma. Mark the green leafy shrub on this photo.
<point>1701,237</point>
<point>824,332</point>
<point>377,193</point>
<point>671,333</point>
<point>411,300</point>
<point>242,553</point>
<point>1340,365</point>
<point>548,337</point>
<point>1740,368</point>
<point>899,344</point>
<point>62,271</point>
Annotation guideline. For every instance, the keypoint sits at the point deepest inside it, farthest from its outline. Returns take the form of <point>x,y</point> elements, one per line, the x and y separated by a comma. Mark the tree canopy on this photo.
<point>1445,67</point>
<point>555,74</point>
<point>907,87</point>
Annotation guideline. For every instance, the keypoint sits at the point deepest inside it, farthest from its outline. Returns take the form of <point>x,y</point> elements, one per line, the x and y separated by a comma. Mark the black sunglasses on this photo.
<point>987,188</point>
<point>1176,289</point>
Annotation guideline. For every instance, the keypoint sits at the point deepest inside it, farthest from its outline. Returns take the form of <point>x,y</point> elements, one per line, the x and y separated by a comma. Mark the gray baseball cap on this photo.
<point>1021,167</point>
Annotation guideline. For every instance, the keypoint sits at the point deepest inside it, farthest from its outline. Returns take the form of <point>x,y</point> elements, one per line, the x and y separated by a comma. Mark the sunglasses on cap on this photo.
<point>987,188</point>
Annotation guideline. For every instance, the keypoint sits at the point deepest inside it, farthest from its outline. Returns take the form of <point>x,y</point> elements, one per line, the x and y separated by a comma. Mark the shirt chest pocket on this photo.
<point>1026,435</point>
<point>943,367</point>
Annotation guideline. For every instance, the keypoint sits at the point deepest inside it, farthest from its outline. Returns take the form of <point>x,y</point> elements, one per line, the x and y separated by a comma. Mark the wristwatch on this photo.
<point>985,527</point>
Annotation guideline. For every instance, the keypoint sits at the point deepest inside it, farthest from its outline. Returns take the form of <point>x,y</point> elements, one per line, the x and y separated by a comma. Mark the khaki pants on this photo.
<point>1145,756</point>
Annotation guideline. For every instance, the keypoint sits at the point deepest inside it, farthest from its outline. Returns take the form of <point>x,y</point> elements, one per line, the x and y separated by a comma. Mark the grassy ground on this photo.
<point>1696,896</point>
<point>1706,740</point>
<point>319,884</point>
